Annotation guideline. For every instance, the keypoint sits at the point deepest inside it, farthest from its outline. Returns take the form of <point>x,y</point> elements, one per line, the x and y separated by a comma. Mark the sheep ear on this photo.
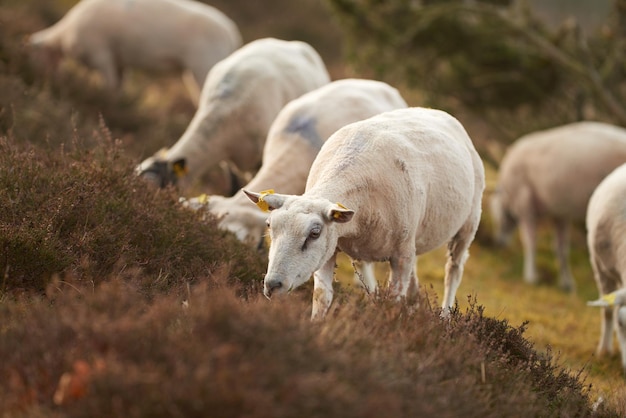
<point>339,213</point>
<point>179,167</point>
<point>266,200</point>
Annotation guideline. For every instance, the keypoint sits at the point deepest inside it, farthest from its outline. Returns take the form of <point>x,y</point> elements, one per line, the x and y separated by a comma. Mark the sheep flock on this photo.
<point>349,166</point>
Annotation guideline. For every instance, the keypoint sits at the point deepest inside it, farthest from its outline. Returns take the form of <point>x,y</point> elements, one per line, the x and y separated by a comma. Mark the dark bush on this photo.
<point>85,213</point>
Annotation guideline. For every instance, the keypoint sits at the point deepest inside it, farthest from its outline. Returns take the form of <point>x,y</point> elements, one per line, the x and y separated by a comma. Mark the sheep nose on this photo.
<point>271,285</point>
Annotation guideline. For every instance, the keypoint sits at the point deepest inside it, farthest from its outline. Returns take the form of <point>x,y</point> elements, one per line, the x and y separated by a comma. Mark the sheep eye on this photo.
<point>315,233</point>
<point>267,223</point>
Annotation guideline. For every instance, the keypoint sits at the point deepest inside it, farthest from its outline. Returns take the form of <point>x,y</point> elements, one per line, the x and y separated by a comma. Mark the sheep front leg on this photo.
<point>323,289</point>
<point>605,346</point>
<point>621,333</point>
<point>606,285</point>
<point>102,60</point>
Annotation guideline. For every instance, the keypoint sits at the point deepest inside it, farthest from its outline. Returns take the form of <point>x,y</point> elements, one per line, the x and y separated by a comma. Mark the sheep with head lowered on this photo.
<point>294,139</point>
<point>606,238</point>
<point>154,35</point>
<point>550,175</point>
<point>240,99</point>
<point>387,188</point>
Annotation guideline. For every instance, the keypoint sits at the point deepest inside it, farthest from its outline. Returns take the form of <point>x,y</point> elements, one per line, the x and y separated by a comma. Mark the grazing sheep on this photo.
<point>606,237</point>
<point>240,99</point>
<point>410,180</point>
<point>155,35</point>
<point>551,175</point>
<point>294,139</point>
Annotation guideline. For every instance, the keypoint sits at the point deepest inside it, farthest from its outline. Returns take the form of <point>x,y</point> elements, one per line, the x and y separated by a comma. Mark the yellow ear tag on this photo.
<point>203,198</point>
<point>179,171</point>
<point>261,203</point>
<point>337,215</point>
<point>610,298</point>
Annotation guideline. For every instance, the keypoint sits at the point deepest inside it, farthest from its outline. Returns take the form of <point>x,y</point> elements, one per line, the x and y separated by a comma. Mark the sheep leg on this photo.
<point>102,60</point>
<point>620,319</point>
<point>402,274</point>
<point>364,275</point>
<point>528,234</point>
<point>458,253</point>
<point>323,289</point>
<point>562,250</point>
<point>605,285</point>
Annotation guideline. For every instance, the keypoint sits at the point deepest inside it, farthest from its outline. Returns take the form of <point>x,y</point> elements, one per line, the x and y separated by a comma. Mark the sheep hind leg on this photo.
<point>458,253</point>
<point>402,277</point>
<point>528,234</point>
<point>566,280</point>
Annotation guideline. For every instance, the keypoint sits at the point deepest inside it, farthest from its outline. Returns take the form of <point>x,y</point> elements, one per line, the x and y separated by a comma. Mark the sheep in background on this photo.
<point>550,175</point>
<point>240,99</point>
<point>387,188</point>
<point>154,35</point>
<point>294,139</point>
<point>606,238</point>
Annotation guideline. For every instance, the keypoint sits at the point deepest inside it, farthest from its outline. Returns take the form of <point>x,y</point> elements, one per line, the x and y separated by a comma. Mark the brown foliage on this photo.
<point>112,352</point>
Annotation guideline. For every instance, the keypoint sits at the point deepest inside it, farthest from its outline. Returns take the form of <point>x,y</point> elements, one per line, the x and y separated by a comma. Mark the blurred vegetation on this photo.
<point>493,58</point>
<point>117,302</point>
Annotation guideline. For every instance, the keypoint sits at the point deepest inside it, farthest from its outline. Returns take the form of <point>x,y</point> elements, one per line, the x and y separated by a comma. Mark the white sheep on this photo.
<point>550,175</point>
<point>390,187</point>
<point>154,35</point>
<point>606,238</point>
<point>240,99</point>
<point>293,141</point>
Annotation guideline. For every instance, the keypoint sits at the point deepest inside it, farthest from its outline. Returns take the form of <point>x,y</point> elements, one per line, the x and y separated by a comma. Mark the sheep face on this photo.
<point>504,223</point>
<point>303,234</point>
<point>162,172</point>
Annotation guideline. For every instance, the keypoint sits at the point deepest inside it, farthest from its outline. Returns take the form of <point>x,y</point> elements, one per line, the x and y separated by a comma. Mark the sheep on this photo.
<point>550,175</point>
<point>606,239</point>
<point>154,35</point>
<point>240,99</point>
<point>387,188</point>
<point>293,141</point>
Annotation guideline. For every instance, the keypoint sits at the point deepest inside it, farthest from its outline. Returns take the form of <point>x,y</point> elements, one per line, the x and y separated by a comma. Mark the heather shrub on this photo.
<point>85,214</point>
<point>219,355</point>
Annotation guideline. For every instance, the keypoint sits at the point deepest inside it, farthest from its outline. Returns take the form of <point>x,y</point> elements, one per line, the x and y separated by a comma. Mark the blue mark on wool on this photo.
<point>305,126</point>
